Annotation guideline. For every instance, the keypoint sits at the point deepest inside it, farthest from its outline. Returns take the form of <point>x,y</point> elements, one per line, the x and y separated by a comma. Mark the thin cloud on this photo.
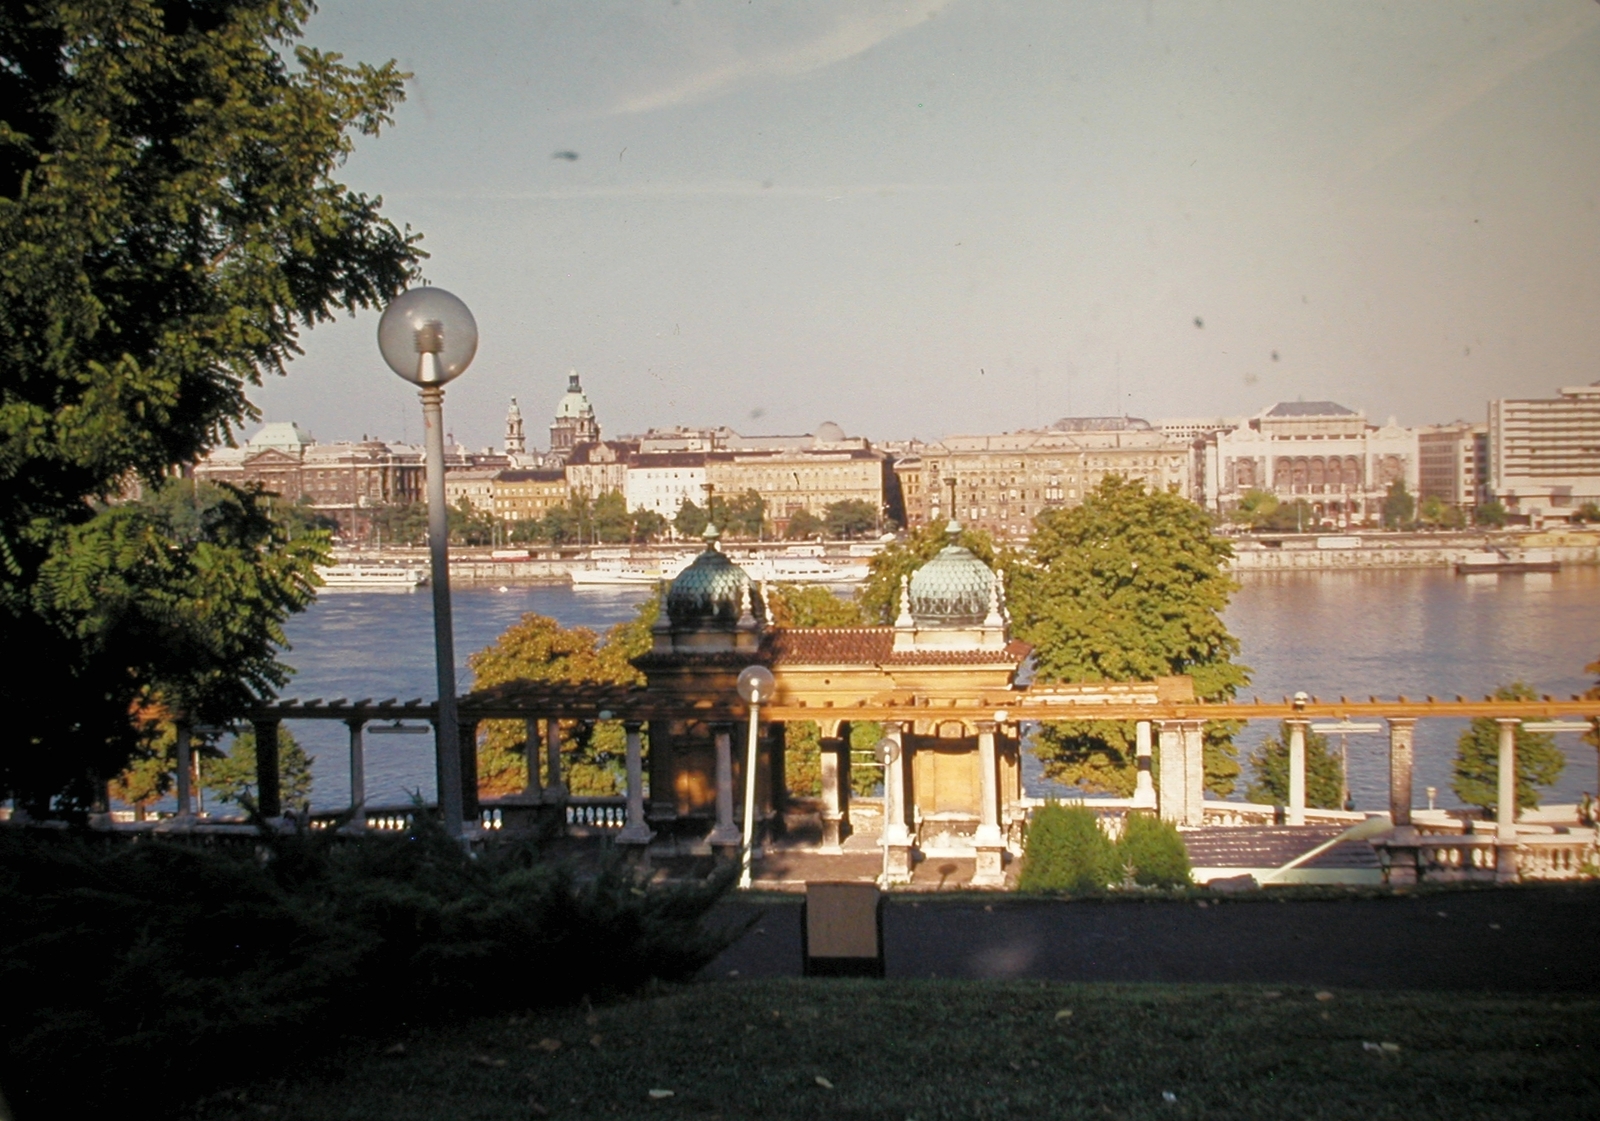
<point>854,34</point>
<point>1451,98</point>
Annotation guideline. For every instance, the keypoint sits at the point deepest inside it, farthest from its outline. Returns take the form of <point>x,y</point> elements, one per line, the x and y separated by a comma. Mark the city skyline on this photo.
<point>929,219</point>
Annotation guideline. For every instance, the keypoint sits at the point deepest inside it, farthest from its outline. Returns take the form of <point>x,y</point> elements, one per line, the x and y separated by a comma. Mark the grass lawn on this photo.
<point>939,1049</point>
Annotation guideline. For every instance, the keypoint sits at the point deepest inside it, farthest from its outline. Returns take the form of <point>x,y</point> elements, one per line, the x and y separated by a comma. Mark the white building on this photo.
<point>1318,451</point>
<point>662,480</point>
<point>1544,455</point>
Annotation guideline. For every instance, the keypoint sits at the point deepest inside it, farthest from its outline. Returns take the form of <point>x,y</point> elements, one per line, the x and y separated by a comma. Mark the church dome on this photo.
<point>710,591</point>
<point>574,402</point>
<point>952,588</point>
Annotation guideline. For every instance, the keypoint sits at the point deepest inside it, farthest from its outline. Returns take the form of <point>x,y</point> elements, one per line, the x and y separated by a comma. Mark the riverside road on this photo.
<point>1520,939</point>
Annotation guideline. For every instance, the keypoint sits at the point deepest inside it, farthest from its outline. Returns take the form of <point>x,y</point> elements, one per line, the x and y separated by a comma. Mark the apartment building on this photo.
<point>1544,454</point>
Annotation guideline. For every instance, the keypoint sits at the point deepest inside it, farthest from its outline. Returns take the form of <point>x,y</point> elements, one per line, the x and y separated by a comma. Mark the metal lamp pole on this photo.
<point>428,337</point>
<point>755,685</point>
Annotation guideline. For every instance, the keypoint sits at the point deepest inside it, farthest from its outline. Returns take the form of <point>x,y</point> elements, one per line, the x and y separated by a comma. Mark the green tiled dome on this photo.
<point>953,587</point>
<point>710,591</point>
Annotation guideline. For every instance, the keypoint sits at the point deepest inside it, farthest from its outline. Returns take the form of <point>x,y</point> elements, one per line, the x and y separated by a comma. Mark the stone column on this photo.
<point>1297,771</point>
<point>358,775</point>
<point>269,789</point>
<point>1401,755</point>
<point>530,748</point>
<point>828,757</point>
<point>637,830</point>
<point>778,770</point>
<point>185,771</point>
<point>989,842</point>
<point>846,789</point>
<point>726,834</point>
<point>1194,768</point>
<point>1144,791</point>
<point>1174,772</point>
<point>467,739</point>
<point>554,789</point>
<point>896,814</point>
<point>1505,807</point>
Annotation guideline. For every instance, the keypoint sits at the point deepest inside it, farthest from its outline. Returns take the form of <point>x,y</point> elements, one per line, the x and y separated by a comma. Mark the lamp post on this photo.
<point>428,337</point>
<point>755,685</point>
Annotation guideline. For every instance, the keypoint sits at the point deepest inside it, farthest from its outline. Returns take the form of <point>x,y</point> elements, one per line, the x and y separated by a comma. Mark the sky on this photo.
<point>940,217</point>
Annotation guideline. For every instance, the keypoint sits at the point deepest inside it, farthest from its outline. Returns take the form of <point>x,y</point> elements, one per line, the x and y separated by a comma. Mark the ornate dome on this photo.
<point>710,591</point>
<point>574,402</point>
<point>952,588</point>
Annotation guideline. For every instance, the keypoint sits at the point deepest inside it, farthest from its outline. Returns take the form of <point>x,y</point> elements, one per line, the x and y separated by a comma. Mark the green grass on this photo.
<point>936,1049</point>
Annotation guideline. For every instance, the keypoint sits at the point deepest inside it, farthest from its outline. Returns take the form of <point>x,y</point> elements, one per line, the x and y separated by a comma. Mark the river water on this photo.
<point>1355,634</point>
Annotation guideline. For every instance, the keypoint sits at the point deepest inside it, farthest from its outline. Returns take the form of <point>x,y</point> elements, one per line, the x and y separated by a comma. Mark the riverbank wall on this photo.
<point>1370,551</point>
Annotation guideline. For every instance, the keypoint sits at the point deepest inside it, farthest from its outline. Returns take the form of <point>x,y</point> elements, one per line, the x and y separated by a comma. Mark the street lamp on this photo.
<point>428,337</point>
<point>755,685</point>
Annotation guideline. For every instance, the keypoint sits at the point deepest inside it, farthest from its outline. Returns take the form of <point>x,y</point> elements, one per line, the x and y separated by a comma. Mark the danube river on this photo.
<point>1328,633</point>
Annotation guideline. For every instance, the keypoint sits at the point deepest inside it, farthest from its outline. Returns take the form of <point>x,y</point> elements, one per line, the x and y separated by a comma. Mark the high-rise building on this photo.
<point>1544,455</point>
<point>575,422</point>
<point>1452,463</point>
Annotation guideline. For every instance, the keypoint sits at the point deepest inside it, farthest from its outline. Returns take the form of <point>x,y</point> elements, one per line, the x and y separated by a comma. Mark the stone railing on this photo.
<point>1558,856</point>
<point>586,813</point>
<point>1446,858</point>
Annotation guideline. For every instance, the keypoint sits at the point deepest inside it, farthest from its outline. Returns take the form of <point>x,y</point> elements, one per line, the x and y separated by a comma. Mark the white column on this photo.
<point>725,833</point>
<point>358,775</point>
<point>1194,767</point>
<point>1144,791</point>
<point>1505,810</point>
<point>1401,731</point>
<point>554,789</point>
<point>1174,773</point>
<point>637,830</point>
<point>1297,772</point>
<point>988,788</point>
<point>828,758</point>
<point>894,791</point>
<point>531,741</point>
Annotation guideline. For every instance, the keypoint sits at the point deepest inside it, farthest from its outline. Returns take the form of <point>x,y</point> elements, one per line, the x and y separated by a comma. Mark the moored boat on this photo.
<point>372,577</point>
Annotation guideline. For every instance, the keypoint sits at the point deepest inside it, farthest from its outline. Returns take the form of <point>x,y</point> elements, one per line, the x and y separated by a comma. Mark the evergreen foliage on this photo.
<point>1067,851</point>
<point>169,225</point>
<point>232,777</point>
<point>1127,587</point>
<point>1399,507</point>
<point>1154,851</point>
<point>1270,764</point>
<point>1477,762</point>
<point>184,968</point>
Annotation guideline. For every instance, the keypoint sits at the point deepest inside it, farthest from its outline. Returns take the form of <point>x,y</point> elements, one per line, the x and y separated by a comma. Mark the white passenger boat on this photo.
<point>802,570</point>
<point>611,571</point>
<point>372,577</point>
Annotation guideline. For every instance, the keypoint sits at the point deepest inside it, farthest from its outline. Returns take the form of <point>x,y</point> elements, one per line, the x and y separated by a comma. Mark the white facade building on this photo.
<point>1544,455</point>
<point>660,482</point>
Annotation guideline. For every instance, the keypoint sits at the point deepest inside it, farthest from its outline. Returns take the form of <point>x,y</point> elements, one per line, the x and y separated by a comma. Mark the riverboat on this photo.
<point>611,571</point>
<point>802,570</point>
<point>1494,562</point>
<point>372,577</point>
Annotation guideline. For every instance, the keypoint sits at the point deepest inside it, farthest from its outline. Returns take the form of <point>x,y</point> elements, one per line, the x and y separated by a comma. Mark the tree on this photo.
<point>1433,511</point>
<point>469,525</point>
<point>691,520</point>
<point>791,605</point>
<point>612,523</point>
<point>560,526</point>
<point>169,224</point>
<point>803,524</point>
<point>1256,509</point>
<point>1491,514</point>
<point>743,515</point>
<point>648,526</point>
<point>850,517</point>
<point>1129,586</point>
<point>1477,763</point>
<point>232,777</point>
<point>1270,764</point>
<point>537,648</point>
<point>1398,506</point>
<point>1588,513</point>
<point>879,595</point>
<point>404,523</point>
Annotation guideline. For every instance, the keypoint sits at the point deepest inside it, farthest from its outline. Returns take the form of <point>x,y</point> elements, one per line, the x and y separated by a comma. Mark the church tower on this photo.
<point>575,423</point>
<point>515,443</point>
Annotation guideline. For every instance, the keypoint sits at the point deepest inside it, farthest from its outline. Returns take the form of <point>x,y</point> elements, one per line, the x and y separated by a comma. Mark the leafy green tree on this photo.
<point>802,755</point>
<point>1127,587</point>
<point>169,225</point>
<point>232,777</point>
<point>879,596</point>
<point>1067,851</point>
<point>469,525</point>
<point>647,526</point>
<point>1477,763</point>
<point>743,515</point>
<point>1433,511</point>
<point>850,517</point>
<point>1256,509</point>
<point>1491,514</point>
<point>403,523</point>
<point>148,777</point>
<point>1398,506</point>
<point>1153,851</point>
<point>803,525</point>
<point>612,523</point>
<point>560,526</point>
<point>1269,762</point>
<point>1292,517</point>
<point>690,520</point>
<point>793,605</point>
<point>1588,513</point>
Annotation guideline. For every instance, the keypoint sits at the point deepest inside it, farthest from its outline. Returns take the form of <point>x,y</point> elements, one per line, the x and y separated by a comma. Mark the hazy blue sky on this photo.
<point>951,216</point>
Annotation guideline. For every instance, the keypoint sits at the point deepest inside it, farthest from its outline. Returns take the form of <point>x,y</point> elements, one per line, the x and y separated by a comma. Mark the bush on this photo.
<point>165,964</point>
<point>1154,850</point>
<point>1066,851</point>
